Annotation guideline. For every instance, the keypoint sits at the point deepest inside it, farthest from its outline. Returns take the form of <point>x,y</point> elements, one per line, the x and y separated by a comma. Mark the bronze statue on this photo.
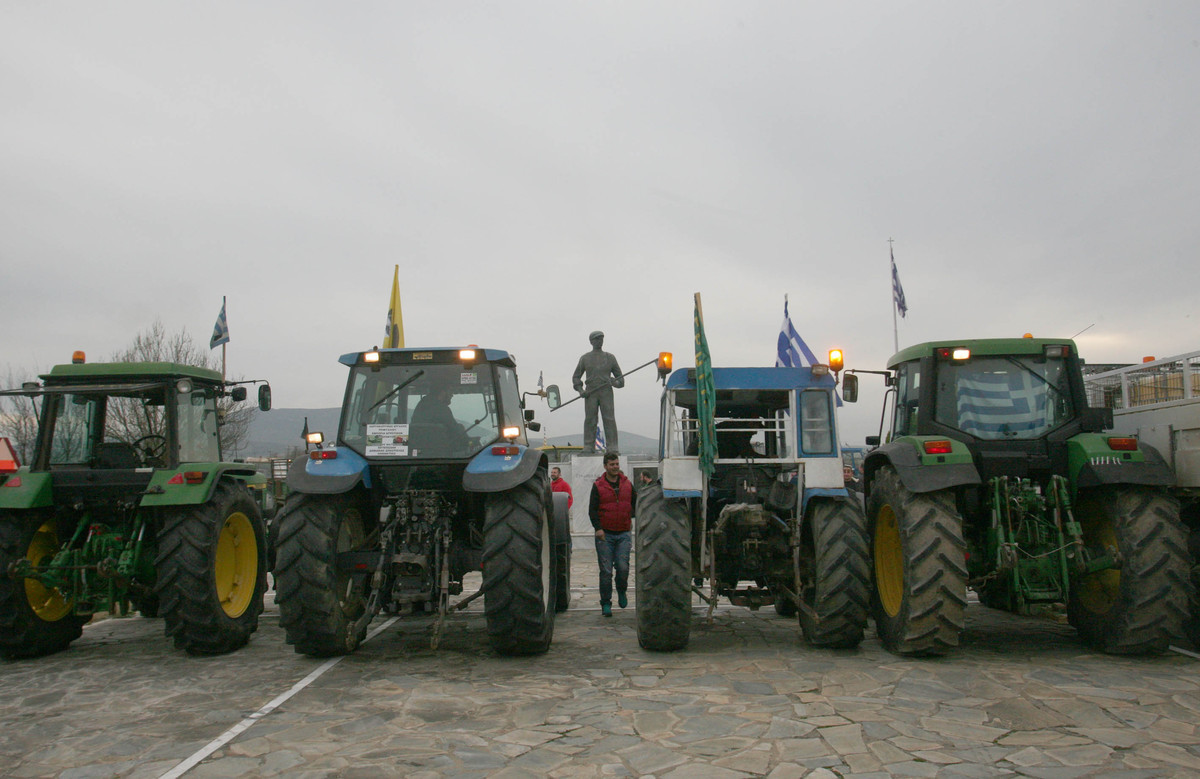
<point>603,374</point>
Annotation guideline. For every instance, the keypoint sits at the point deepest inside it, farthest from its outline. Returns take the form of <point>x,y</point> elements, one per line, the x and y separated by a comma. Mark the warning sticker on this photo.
<point>387,441</point>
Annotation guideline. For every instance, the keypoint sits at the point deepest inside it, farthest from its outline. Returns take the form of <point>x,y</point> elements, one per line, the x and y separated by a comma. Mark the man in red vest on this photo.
<point>559,484</point>
<point>611,511</point>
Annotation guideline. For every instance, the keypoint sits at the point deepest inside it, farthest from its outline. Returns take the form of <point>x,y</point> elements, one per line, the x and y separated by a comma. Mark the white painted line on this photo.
<point>241,727</point>
<point>1184,652</point>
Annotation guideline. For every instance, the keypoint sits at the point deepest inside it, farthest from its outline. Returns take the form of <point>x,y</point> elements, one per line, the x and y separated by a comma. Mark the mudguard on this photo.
<point>328,477</point>
<point>1092,463</point>
<point>906,455</point>
<point>25,490</point>
<point>172,486</point>
<point>489,472</point>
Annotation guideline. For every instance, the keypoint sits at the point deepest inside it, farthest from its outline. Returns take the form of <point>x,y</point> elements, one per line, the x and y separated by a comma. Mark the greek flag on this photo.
<point>897,290</point>
<point>599,439</point>
<point>792,351</point>
<point>994,406</point>
<point>220,334</point>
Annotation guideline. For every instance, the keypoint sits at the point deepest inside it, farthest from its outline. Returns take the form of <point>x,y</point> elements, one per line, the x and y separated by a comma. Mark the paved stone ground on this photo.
<point>747,698</point>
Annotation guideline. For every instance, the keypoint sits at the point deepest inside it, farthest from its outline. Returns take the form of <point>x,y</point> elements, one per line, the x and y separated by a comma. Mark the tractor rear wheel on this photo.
<point>1141,607</point>
<point>1193,624</point>
<point>562,549</point>
<point>35,619</point>
<point>920,572</point>
<point>318,603</point>
<point>212,571</point>
<point>519,567</point>
<point>662,579</point>
<point>835,590</point>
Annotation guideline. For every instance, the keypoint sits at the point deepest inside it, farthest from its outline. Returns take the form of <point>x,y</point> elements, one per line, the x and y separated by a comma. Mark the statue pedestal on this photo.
<point>584,470</point>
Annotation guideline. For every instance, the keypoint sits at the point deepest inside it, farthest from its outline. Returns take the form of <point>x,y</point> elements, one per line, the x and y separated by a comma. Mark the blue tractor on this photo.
<point>431,477</point>
<point>772,525</point>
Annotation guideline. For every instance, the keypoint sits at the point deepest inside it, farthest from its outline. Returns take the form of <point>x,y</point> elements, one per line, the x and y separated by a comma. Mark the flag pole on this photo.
<point>895,328</point>
<point>223,346</point>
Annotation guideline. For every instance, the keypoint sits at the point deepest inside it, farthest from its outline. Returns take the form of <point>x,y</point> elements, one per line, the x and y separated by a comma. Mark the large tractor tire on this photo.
<point>212,571</point>
<point>919,572</point>
<point>318,604</point>
<point>662,579</point>
<point>519,568</point>
<point>1140,608</point>
<point>836,588</point>
<point>35,620</point>
<point>1192,629</point>
<point>562,549</point>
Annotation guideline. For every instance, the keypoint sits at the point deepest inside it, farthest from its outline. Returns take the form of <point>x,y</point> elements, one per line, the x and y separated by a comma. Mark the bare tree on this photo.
<point>155,344</point>
<point>18,416</point>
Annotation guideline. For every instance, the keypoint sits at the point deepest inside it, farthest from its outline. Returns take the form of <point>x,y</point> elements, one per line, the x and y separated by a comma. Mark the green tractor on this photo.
<point>126,505</point>
<point>997,476</point>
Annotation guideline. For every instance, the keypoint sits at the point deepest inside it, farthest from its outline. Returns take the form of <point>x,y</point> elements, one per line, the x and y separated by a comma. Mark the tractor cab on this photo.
<point>406,405</point>
<point>1013,402</point>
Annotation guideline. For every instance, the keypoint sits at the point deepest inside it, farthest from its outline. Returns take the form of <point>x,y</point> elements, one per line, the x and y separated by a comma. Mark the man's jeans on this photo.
<point>613,551</point>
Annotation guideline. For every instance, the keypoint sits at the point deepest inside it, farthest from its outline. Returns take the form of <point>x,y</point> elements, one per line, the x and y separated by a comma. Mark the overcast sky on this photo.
<point>542,170</point>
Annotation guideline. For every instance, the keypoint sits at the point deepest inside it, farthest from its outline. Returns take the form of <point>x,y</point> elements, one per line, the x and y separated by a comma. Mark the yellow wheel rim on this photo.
<point>1098,592</point>
<point>889,562</point>
<point>47,602</point>
<point>236,564</point>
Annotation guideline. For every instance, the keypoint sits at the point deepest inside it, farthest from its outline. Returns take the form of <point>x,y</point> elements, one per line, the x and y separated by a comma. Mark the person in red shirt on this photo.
<point>611,511</point>
<point>559,484</point>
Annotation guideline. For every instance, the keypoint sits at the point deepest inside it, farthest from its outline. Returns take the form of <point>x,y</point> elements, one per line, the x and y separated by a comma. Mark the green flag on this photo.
<point>706,396</point>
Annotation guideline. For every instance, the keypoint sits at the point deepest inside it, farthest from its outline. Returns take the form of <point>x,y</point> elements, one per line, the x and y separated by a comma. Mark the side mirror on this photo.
<point>238,394</point>
<point>872,440</point>
<point>850,388</point>
<point>528,415</point>
<point>534,426</point>
<point>264,397</point>
<point>553,397</point>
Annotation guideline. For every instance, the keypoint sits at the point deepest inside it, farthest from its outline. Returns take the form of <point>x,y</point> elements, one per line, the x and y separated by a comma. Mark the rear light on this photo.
<point>505,451</point>
<point>370,357</point>
<point>13,482</point>
<point>323,454</point>
<point>1057,350</point>
<point>820,370</point>
<point>466,355</point>
<point>1123,444</point>
<point>188,477</point>
<point>938,447</point>
<point>953,353</point>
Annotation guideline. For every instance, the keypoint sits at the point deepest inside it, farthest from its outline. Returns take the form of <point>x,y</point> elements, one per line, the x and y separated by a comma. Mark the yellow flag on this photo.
<point>394,335</point>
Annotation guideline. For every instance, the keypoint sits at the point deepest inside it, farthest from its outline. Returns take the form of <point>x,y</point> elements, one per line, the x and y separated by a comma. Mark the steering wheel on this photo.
<point>151,447</point>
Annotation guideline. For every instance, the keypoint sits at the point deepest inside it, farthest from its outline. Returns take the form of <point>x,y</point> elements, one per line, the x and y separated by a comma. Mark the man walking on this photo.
<point>611,512</point>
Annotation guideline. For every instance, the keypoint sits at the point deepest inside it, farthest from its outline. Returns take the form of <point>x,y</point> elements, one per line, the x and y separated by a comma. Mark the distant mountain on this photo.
<point>630,443</point>
<point>276,433</point>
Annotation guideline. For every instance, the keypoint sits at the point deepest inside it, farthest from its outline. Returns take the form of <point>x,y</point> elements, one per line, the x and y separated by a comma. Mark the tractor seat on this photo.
<point>116,454</point>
